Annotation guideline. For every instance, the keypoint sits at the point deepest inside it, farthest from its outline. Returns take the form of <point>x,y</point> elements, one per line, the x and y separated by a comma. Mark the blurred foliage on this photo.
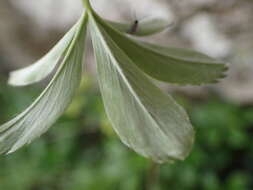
<point>82,152</point>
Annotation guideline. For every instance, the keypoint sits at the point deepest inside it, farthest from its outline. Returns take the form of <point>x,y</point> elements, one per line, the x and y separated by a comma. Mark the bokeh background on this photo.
<point>81,151</point>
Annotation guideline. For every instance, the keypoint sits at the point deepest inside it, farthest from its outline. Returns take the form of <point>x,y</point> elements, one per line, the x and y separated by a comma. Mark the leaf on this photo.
<point>52,102</point>
<point>172,65</point>
<point>43,67</point>
<point>180,53</point>
<point>146,119</point>
<point>144,27</point>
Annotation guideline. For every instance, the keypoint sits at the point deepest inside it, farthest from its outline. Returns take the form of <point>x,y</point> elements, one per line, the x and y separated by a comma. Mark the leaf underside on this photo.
<point>172,65</point>
<point>52,102</point>
<point>144,27</point>
<point>146,119</point>
<point>43,67</point>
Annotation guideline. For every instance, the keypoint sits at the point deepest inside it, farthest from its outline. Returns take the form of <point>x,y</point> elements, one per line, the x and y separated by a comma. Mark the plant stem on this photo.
<point>152,176</point>
<point>86,4</point>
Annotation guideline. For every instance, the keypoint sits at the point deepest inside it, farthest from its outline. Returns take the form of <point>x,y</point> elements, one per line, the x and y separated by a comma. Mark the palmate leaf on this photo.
<point>146,119</point>
<point>43,67</point>
<point>47,108</point>
<point>144,27</point>
<point>172,65</point>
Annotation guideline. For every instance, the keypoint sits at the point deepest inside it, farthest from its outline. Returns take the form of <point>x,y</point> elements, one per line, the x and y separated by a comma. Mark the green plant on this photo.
<point>145,118</point>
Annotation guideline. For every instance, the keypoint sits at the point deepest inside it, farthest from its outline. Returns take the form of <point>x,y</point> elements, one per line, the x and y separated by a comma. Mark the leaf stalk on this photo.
<point>87,5</point>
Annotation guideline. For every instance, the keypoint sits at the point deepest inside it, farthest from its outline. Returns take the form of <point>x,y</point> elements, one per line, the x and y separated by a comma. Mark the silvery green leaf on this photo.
<point>180,53</point>
<point>52,102</point>
<point>43,67</point>
<point>177,66</point>
<point>144,27</point>
<point>145,118</point>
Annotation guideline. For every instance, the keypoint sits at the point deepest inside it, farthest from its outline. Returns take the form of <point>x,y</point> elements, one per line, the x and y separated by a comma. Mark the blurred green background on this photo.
<point>81,151</point>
